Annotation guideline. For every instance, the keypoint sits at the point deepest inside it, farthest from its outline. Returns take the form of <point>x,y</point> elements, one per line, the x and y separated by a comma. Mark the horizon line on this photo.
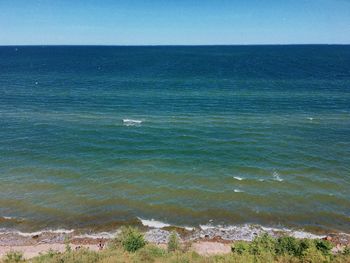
<point>171,45</point>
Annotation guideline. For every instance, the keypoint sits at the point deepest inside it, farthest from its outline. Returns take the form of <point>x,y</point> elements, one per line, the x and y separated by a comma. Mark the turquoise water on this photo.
<point>93,137</point>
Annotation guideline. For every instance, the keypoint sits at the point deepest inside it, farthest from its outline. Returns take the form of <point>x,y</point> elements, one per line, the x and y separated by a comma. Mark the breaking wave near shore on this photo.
<point>158,231</point>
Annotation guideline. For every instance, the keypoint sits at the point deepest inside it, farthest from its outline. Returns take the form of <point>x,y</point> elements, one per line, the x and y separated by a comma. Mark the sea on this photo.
<point>94,137</point>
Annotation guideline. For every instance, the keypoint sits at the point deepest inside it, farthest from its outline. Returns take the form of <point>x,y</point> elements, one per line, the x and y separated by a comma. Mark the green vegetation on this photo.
<point>346,251</point>
<point>131,239</point>
<point>288,249</point>
<point>13,256</point>
<point>173,242</point>
<point>240,247</point>
<point>66,242</point>
<point>130,246</point>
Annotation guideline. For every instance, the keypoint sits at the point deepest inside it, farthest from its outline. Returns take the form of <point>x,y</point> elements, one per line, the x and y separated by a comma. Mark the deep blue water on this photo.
<point>223,134</point>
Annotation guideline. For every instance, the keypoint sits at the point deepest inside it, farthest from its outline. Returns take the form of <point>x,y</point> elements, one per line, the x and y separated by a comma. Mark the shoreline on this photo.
<point>205,240</point>
<point>9,224</point>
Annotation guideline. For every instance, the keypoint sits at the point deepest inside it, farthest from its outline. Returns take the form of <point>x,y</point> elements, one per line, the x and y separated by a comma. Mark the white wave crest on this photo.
<point>29,234</point>
<point>277,177</point>
<point>228,232</point>
<point>8,217</point>
<point>238,191</point>
<point>153,223</point>
<point>158,224</point>
<point>131,122</point>
<point>238,178</point>
<point>11,218</point>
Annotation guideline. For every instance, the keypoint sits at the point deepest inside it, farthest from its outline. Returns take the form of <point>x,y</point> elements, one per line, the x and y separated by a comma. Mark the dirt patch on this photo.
<point>211,248</point>
<point>35,250</point>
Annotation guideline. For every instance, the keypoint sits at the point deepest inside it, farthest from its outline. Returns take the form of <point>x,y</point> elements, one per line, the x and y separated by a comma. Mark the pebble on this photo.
<point>157,236</point>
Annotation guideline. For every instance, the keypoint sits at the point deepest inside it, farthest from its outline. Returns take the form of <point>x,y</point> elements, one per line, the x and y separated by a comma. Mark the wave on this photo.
<point>11,219</point>
<point>158,224</point>
<point>8,217</point>
<point>245,232</point>
<point>238,178</point>
<point>131,122</point>
<point>234,232</point>
<point>238,191</point>
<point>29,234</point>
<point>153,223</point>
<point>277,177</point>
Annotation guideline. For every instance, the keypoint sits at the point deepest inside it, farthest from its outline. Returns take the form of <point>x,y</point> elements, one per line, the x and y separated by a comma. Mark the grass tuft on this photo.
<point>173,242</point>
<point>13,257</point>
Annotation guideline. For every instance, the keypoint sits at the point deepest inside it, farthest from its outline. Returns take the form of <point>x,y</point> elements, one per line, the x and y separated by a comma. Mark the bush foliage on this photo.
<point>131,239</point>
<point>301,249</point>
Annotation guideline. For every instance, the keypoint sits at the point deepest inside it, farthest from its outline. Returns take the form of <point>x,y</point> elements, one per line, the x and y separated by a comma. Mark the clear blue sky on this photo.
<point>144,22</point>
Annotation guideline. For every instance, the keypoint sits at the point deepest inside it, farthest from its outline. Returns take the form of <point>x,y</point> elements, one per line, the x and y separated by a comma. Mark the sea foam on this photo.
<point>153,223</point>
<point>238,178</point>
<point>277,177</point>
<point>29,234</point>
<point>158,224</point>
<point>245,232</point>
<point>131,122</point>
<point>8,218</point>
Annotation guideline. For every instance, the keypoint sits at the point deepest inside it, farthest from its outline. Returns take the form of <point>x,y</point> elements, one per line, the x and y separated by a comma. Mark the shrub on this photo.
<point>263,244</point>
<point>287,245</point>
<point>266,248</point>
<point>346,251</point>
<point>324,246</point>
<point>13,256</point>
<point>313,255</point>
<point>131,239</point>
<point>173,242</point>
<point>240,247</point>
<point>304,246</point>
